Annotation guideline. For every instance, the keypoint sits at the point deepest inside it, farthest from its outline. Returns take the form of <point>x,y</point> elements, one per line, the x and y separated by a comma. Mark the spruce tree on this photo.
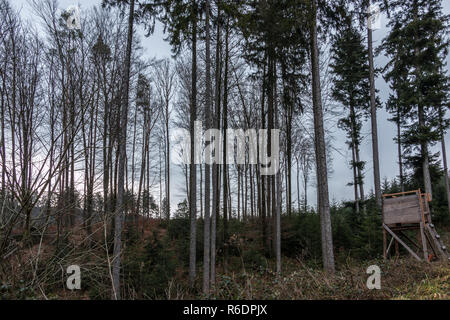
<point>351,85</point>
<point>417,46</point>
<point>275,39</point>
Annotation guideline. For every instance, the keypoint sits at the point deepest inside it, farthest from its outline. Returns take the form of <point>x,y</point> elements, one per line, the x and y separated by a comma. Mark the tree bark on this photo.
<point>193,170</point>
<point>373,119</point>
<point>444,159</point>
<point>298,184</point>
<point>216,168</point>
<point>399,149</point>
<point>277,185</point>
<point>355,180</point>
<point>261,183</point>
<point>424,152</point>
<point>225,166</point>
<point>116,294</point>
<point>207,227</point>
<point>321,160</point>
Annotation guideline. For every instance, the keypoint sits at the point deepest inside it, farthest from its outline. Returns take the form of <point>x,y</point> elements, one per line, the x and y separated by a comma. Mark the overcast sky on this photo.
<point>155,46</point>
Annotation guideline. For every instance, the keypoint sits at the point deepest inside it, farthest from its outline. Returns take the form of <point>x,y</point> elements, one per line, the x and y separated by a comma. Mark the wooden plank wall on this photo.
<point>404,209</point>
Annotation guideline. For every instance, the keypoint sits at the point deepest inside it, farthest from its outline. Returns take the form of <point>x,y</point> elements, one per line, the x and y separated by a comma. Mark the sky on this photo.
<point>155,46</point>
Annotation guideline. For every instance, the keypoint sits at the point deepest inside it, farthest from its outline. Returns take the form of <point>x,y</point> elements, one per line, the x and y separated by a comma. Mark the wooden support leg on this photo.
<point>410,240</point>
<point>419,238</point>
<point>430,243</point>
<point>401,242</point>
<point>389,246</point>
<point>384,244</point>
<point>424,242</point>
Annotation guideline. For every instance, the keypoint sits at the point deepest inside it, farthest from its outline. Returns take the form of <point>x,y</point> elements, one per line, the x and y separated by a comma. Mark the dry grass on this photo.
<point>35,273</point>
<point>400,279</point>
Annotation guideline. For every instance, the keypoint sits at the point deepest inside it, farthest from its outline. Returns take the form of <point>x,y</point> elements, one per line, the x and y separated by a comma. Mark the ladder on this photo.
<point>436,239</point>
<point>433,237</point>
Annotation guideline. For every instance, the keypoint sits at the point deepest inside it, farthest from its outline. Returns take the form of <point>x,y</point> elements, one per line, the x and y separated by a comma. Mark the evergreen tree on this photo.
<point>417,46</point>
<point>275,36</point>
<point>351,85</point>
<point>361,9</point>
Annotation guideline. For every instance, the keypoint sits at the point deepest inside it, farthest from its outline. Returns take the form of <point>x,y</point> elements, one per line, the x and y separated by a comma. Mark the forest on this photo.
<point>206,174</point>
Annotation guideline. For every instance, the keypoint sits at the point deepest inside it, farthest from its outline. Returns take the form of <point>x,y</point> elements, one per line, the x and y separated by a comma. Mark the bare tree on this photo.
<point>165,83</point>
<point>193,169</point>
<point>207,226</point>
<point>321,161</point>
<point>116,294</point>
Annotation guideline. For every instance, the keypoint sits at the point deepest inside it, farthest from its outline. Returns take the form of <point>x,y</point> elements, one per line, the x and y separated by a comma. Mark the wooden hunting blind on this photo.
<point>410,211</point>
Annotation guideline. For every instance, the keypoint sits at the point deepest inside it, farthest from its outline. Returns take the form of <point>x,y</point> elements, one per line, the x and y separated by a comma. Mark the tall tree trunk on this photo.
<point>230,204</point>
<point>12,115</point>
<point>355,161</point>
<point>271,119</point>
<point>277,185</point>
<point>305,187</point>
<point>147,149</point>
<point>321,160</point>
<point>399,149</point>
<point>201,190</point>
<point>193,170</point>
<point>355,180</point>
<point>167,160</point>
<point>207,227</point>
<point>252,194</point>
<point>289,160</point>
<point>216,168</point>
<point>160,182</point>
<point>116,294</point>
<point>261,183</point>
<point>444,159</point>
<point>225,165</point>
<point>425,156</point>
<point>92,177</point>
<point>133,168</point>
<point>238,193</point>
<point>422,117</point>
<point>298,184</point>
<point>3,145</point>
<point>373,119</point>
<point>143,162</point>
<point>186,176</point>
<point>245,193</point>
<point>360,176</point>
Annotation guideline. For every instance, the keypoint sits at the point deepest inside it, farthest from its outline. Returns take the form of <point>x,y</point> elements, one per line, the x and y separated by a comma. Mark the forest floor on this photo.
<point>401,278</point>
